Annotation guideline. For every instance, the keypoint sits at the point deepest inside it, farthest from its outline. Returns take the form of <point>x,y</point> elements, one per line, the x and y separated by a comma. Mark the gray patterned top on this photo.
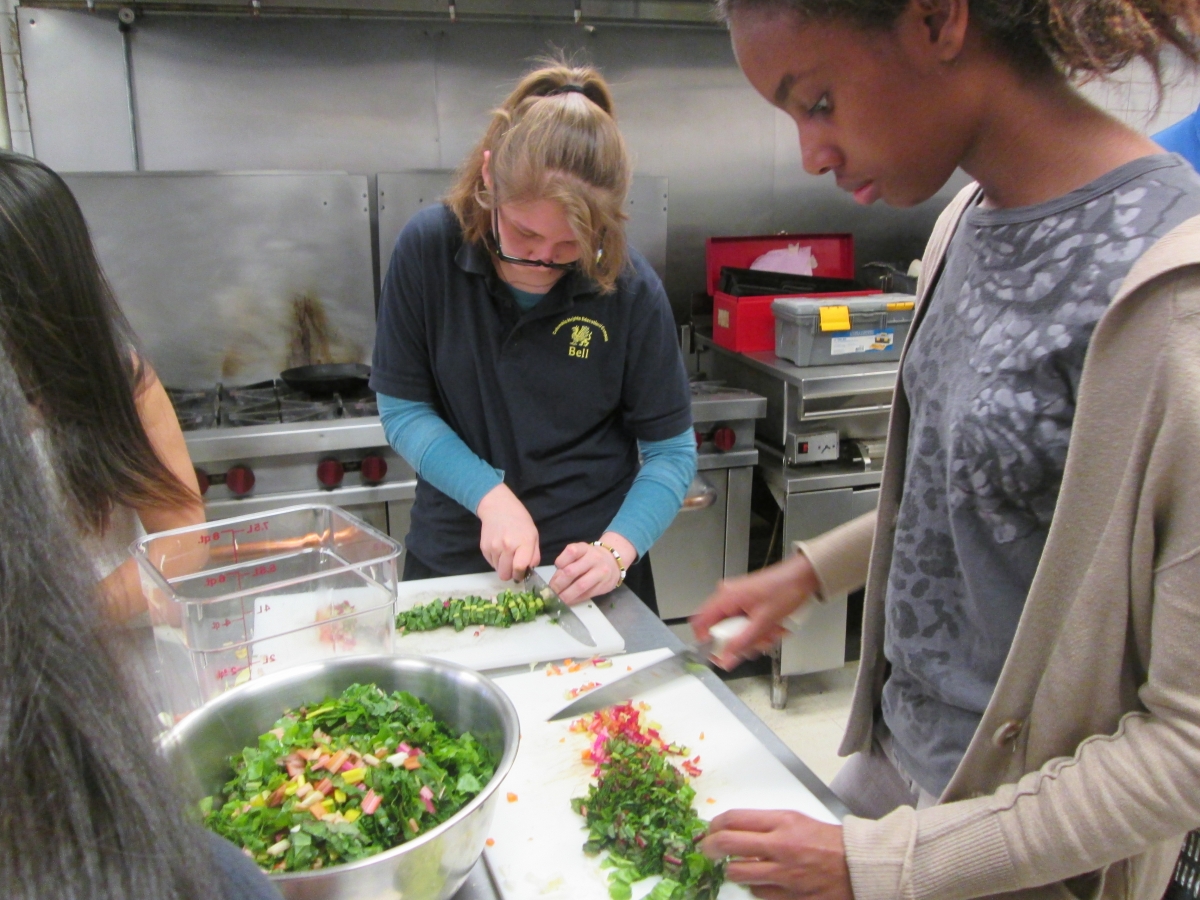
<point>991,378</point>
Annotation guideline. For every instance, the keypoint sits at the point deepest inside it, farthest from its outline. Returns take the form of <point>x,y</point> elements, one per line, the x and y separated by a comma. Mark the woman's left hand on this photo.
<point>586,571</point>
<point>782,855</point>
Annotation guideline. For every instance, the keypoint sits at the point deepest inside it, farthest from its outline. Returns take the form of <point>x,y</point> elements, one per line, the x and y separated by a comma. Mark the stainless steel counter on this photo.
<point>642,630</point>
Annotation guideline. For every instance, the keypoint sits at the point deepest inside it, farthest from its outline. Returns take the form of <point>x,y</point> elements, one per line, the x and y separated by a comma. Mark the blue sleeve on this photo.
<point>430,446</point>
<point>657,491</point>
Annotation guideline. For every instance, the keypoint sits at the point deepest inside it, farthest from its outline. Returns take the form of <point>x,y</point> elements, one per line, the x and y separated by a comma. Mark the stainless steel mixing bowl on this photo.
<point>430,867</point>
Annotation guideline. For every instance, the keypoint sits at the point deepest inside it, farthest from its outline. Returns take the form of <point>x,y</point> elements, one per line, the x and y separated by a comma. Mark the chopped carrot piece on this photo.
<point>511,797</point>
<point>335,761</point>
<point>491,842</point>
<point>710,800</point>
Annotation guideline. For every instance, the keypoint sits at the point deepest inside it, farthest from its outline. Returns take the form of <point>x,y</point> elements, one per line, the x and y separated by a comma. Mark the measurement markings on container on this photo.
<point>233,671</point>
<point>257,572</point>
<point>215,536</point>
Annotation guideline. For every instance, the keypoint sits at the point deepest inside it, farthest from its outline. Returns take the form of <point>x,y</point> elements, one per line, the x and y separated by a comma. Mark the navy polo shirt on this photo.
<point>556,397</point>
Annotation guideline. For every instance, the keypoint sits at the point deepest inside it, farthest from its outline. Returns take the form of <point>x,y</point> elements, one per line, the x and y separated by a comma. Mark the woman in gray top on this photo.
<point>891,96</point>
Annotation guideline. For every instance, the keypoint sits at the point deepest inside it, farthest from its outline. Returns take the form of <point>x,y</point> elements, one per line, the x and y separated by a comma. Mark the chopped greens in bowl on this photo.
<point>345,779</point>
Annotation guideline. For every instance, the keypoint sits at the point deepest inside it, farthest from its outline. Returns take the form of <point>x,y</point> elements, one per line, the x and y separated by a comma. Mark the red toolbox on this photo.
<point>746,324</point>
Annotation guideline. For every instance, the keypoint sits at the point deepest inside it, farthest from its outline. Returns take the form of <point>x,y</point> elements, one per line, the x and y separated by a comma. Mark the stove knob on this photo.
<point>202,480</point>
<point>374,469</point>
<point>330,473</point>
<point>240,480</point>
<point>724,438</point>
<point>699,439</point>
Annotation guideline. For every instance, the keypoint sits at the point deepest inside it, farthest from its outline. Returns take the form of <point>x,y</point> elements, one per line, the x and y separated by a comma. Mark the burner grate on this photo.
<point>262,403</point>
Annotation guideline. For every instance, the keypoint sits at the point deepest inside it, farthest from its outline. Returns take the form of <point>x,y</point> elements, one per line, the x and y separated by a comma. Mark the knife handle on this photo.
<point>727,629</point>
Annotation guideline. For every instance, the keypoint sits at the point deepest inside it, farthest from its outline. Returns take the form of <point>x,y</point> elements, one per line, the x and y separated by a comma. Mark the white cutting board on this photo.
<point>493,648</point>
<point>538,839</point>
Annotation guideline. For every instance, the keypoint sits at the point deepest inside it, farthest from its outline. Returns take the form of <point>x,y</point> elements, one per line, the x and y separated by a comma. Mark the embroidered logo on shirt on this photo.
<point>582,335</point>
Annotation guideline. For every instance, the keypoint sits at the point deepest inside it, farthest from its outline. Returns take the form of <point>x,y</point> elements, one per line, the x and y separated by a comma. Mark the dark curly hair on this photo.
<point>1078,37</point>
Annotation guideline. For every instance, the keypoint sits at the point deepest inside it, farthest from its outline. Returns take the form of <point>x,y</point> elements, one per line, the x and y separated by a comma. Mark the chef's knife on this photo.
<point>653,675</point>
<point>557,610</point>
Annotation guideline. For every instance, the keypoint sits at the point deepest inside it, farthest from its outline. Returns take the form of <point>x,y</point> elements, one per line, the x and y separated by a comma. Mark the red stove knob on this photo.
<point>374,469</point>
<point>202,480</point>
<point>330,473</point>
<point>699,439</point>
<point>240,480</point>
<point>724,438</point>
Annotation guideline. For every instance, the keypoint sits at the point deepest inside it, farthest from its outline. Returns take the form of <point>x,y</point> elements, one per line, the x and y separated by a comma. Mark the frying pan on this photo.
<point>327,378</point>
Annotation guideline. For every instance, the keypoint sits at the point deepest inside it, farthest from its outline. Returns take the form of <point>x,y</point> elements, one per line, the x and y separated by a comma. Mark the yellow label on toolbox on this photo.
<point>835,318</point>
<point>900,306</point>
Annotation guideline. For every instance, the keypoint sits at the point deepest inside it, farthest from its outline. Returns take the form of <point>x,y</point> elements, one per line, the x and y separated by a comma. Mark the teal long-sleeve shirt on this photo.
<point>440,456</point>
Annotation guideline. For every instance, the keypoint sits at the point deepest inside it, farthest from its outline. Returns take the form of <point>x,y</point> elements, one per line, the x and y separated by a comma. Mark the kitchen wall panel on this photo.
<point>367,96</point>
<point>78,103</point>
<point>285,94</point>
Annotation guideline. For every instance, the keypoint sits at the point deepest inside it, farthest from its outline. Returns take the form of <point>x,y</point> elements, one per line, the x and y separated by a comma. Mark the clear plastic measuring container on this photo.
<point>240,598</point>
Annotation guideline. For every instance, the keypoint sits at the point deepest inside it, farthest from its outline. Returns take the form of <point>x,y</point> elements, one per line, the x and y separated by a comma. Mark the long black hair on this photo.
<point>87,809</point>
<point>74,351</point>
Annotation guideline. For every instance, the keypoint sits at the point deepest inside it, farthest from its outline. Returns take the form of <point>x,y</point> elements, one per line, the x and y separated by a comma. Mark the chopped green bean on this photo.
<point>507,609</point>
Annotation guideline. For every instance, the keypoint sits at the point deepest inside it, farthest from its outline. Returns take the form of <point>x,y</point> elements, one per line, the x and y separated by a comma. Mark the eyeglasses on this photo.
<point>520,261</point>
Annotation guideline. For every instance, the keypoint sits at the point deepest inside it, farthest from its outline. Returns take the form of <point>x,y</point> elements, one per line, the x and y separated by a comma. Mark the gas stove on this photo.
<point>263,403</point>
<point>723,419</point>
<point>265,445</point>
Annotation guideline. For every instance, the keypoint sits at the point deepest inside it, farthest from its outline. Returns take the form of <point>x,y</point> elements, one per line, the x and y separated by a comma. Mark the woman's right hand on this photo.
<point>510,538</point>
<point>766,598</point>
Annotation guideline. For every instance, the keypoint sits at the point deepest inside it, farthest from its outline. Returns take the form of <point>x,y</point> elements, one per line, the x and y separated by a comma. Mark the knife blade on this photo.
<point>557,610</point>
<point>632,684</point>
<point>678,663</point>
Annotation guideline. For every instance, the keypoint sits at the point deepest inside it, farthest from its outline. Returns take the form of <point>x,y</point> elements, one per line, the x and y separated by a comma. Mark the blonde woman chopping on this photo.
<point>526,357</point>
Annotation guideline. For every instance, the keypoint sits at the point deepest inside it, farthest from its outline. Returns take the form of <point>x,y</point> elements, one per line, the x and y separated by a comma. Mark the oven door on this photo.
<point>689,559</point>
<point>821,643</point>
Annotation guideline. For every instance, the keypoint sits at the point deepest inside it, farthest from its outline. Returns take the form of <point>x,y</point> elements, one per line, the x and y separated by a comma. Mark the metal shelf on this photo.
<point>586,13</point>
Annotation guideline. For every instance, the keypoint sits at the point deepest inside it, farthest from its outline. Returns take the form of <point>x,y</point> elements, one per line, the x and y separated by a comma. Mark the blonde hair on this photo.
<point>554,138</point>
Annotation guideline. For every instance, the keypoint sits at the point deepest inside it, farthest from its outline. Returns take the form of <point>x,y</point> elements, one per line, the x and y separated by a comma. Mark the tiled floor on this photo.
<point>815,716</point>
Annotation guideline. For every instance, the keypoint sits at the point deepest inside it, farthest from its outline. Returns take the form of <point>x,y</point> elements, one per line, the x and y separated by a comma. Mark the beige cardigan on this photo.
<point>1087,759</point>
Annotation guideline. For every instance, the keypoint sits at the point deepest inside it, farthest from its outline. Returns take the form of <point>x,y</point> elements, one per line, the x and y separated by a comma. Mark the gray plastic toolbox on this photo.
<point>826,331</point>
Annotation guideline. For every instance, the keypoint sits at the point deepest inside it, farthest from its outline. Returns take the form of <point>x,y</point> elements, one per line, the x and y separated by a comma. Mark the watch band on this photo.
<point>616,556</point>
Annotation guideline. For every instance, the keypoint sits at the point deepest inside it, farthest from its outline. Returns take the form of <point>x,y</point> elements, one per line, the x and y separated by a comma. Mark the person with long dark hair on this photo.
<point>104,425</point>
<point>87,808</point>
<point>1026,720</point>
